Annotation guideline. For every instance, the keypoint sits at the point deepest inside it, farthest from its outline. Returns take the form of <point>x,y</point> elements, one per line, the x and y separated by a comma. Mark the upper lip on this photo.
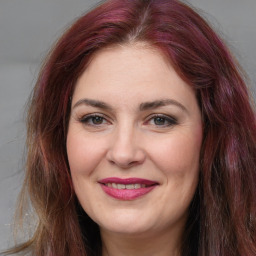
<point>127,181</point>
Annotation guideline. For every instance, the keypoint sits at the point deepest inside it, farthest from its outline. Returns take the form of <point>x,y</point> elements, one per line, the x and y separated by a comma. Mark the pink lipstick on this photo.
<point>127,189</point>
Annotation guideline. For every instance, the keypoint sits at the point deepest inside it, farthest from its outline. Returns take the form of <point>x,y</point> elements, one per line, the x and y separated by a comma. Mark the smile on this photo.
<point>127,189</point>
<point>123,186</point>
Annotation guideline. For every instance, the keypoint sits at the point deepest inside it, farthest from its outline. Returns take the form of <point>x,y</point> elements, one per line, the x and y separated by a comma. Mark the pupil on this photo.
<point>159,121</point>
<point>97,120</point>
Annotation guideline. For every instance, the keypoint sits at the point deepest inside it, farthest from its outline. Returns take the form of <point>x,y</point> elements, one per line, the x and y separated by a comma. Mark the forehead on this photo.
<point>127,73</point>
<point>137,60</point>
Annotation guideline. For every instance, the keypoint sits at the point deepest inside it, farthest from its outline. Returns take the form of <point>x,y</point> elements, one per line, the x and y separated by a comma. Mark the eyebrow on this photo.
<point>161,103</point>
<point>142,107</point>
<point>93,103</point>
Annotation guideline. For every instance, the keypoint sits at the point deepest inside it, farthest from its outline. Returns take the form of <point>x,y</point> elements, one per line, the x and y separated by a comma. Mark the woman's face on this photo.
<point>134,141</point>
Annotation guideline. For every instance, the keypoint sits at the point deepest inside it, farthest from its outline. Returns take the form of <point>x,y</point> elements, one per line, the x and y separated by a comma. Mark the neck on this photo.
<point>164,244</point>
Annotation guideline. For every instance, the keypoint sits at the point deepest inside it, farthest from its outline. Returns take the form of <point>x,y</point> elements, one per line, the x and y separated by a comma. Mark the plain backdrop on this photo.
<point>27,30</point>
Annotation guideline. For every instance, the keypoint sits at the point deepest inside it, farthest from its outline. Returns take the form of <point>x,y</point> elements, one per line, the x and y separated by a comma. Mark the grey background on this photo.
<point>27,30</point>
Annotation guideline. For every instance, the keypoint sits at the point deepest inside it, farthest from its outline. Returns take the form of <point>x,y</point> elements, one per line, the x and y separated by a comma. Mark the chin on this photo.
<point>126,223</point>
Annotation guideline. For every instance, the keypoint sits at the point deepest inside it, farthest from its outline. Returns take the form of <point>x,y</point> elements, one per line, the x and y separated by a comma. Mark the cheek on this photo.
<point>178,155</point>
<point>178,159</point>
<point>83,153</point>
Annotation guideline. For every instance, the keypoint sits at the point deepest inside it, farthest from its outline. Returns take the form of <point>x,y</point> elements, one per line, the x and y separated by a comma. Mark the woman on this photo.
<point>141,139</point>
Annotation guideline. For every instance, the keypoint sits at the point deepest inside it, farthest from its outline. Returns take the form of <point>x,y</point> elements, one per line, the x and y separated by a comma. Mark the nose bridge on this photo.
<point>125,150</point>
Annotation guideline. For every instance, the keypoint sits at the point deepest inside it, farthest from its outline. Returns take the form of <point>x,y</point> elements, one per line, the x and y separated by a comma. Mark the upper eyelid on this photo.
<point>161,115</point>
<point>110,119</point>
<point>93,115</point>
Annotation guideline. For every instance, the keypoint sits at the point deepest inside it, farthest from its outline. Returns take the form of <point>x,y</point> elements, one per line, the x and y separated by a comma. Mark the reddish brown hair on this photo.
<point>222,218</point>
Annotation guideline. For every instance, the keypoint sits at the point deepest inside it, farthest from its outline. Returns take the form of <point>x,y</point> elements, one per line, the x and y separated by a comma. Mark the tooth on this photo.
<point>114,185</point>
<point>120,186</point>
<point>137,186</point>
<point>129,186</point>
<point>123,186</point>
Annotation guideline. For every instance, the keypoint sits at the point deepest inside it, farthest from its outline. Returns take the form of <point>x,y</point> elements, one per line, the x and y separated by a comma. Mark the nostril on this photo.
<point>124,164</point>
<point>133,163</point>
<point>112,162</point>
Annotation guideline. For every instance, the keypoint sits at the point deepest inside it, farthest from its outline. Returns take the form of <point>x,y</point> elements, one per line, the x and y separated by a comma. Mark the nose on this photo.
<point>125,150</point>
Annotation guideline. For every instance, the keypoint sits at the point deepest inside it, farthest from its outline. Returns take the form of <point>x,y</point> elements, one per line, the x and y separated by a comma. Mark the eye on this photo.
<point>162,120</point>
<point>93,120</point>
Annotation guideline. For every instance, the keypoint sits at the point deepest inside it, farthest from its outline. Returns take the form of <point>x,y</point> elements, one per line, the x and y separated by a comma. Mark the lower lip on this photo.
<point>126,194</point>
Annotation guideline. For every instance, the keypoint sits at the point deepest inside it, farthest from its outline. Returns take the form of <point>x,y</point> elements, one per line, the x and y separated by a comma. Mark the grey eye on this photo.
<point>93,120</point>
<point>160,120</point>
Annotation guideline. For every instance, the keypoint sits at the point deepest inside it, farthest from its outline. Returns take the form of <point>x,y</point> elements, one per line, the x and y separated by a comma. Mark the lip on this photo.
<point>127,181</point>
<point>127,194</point>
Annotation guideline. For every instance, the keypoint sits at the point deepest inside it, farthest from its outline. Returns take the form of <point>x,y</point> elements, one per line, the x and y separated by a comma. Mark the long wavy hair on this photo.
<point>222,215</point>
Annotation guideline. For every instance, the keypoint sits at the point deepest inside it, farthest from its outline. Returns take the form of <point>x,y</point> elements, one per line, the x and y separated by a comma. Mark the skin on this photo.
<point>127,140</point>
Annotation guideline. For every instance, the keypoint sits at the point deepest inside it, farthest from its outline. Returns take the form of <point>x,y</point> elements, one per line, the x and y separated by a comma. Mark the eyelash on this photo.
<point>88,119</point>
<point>168,120</point>
<point>91,118</point>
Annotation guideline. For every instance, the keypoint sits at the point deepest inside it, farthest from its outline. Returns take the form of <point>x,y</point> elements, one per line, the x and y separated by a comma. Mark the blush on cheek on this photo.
<point>84,154</point>
<point>179,155</point>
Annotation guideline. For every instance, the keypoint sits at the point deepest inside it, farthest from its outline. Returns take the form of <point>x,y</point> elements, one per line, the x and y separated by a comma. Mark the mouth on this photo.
<point>123,186</point>
<point>127,189</point>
